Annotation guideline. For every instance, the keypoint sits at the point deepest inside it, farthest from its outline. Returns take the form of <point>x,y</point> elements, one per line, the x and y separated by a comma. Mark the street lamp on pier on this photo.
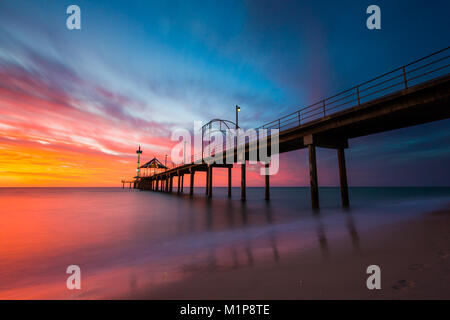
<point>139,152</point>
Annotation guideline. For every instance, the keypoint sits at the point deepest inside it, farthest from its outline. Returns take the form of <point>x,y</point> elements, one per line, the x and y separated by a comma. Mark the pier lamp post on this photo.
<point>139,152</point>
<point>238,109</point>
<point>243,182</point>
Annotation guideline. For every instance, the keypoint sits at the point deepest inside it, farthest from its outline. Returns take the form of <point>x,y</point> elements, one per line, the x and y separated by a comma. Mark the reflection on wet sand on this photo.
<point>351,227</point>
<point>230,223</point>
<point>235,217</point>
<point>126,241</point>
<point>321,233</point>
<point>272,235</point>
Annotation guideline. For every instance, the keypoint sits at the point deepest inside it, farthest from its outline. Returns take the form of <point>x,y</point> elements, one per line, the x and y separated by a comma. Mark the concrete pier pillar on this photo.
<point>243,183</point>
<point>313,176</point>
<point>191,189</point>
<point>229,182</point>
<point>171,184</point>
<point>343,177</point>
<point>167,184</point>
<point>207,181</point>
<point>210,175</point>
<point>267,195</point>
<point>179,183</point>
<point>182,183</point>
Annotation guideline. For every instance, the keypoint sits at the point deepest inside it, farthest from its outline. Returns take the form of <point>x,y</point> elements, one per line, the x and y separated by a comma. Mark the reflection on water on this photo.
<point>125,240</point>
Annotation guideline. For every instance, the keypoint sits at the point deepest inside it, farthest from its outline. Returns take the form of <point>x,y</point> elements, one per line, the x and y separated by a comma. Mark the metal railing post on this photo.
<point>404,78</point>
<point>299,119</point>
<point>323,107</point>
<point>357,94</point>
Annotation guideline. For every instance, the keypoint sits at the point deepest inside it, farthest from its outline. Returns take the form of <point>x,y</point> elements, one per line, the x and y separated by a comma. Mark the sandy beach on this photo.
<point>414,258</point>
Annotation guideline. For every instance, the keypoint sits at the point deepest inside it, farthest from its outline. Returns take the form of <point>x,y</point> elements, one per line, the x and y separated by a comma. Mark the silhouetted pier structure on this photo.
<point>129,182</point>
<point>413,94</point>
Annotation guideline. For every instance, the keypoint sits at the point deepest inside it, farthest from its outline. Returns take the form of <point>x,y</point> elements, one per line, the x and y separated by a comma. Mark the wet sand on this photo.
<point>414,258</point>
<point>220,248</point>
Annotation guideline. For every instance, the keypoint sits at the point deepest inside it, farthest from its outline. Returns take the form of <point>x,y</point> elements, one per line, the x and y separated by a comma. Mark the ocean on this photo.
<point>126,240</point>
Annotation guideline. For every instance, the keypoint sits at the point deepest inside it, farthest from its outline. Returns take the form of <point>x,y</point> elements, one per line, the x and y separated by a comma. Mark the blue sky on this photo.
<point>163,64</point>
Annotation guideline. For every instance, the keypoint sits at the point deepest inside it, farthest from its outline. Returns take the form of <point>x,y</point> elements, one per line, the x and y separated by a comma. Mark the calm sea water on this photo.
<point>125,240</point>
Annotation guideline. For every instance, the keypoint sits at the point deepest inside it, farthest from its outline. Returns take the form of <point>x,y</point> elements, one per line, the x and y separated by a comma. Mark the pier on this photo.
<point>412,94</point>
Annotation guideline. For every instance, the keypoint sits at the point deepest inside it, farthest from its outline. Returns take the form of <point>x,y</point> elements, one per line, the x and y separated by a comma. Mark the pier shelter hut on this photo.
<point>152,167</point>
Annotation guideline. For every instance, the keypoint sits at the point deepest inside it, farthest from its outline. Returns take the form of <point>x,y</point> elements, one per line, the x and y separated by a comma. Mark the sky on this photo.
<point>76,104</point>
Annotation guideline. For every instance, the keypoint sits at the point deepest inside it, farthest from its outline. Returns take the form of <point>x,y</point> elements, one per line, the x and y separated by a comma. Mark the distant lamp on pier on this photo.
<point>139,152</point>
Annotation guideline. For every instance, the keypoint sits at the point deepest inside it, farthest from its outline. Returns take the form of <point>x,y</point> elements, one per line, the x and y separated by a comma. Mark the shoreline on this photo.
<point>414,257</point>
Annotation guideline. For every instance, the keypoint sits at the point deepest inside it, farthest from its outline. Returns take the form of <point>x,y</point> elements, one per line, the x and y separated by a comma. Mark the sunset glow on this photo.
<point>75,105</point>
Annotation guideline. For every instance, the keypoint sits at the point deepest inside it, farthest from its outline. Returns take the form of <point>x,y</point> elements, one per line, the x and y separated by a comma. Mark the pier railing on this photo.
<point>426,68</point>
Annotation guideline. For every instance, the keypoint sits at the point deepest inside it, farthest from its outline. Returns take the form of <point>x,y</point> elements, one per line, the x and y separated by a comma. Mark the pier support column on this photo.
<point>191,189</point>
<point>182,183</point>
<point>243,182</point>
<point>267,195</point>
<point>210,175</point>
<point>157,184</point>
<point>179,181</point>
<point>167,184</point>
<point>229,182</point>
<point>313,176</point>
<point>207,180</point>
<point>343,177</point>
<point>171,184</point>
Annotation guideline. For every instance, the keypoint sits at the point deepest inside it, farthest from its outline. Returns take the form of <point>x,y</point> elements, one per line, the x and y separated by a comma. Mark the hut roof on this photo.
<point>154,163</point>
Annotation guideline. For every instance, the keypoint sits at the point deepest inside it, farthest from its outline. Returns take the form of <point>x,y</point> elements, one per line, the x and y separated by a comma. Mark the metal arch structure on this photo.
<point>228,124</point>
<point>221,122</point>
